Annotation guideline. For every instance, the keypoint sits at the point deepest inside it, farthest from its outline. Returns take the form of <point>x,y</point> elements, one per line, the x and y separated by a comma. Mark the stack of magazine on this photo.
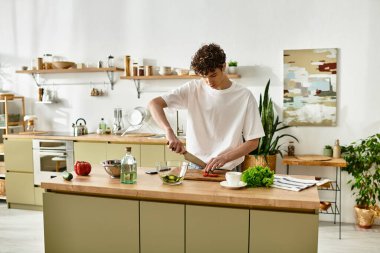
<point>295,184</point>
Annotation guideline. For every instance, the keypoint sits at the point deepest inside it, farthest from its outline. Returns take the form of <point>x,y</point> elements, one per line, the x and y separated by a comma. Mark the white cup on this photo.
<point>233,178</point>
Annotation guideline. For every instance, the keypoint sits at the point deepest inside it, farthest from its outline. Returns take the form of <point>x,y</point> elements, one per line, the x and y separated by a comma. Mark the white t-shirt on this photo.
<point>217,119</point>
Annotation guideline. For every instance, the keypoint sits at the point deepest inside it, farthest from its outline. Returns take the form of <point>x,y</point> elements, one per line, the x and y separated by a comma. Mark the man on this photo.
<point>220,113</point>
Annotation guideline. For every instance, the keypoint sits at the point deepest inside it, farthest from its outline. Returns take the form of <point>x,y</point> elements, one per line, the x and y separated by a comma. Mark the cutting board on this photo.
<point>314,158</point>
<point>192,174</point>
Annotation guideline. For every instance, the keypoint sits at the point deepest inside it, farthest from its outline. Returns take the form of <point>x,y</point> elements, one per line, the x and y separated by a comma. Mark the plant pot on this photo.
<point>232,70</point>
<point>328,152</point>
<point>251,161</point>
<point>364,217</point>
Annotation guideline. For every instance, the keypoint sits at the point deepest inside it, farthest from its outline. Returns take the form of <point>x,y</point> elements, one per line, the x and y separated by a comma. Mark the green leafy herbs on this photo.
<point>258,176</point>
<point>363,163</point>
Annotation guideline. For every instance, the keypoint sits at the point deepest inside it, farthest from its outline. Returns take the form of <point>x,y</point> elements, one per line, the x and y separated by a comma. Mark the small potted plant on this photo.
<point>232,67</point>
<point>328,151</point>
<point>363,164</point>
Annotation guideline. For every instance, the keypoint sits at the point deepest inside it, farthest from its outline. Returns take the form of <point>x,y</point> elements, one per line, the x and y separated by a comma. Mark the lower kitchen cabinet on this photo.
<point>38,191</point>
<point>216,229</point>
<point>117,151</point>
<point>92,152</point>
<point>283,232</point>
<point>162,227</point>
<point>78,224</point>
<point>18,155</point>
<point>20,188</point>
<point>150,154</point>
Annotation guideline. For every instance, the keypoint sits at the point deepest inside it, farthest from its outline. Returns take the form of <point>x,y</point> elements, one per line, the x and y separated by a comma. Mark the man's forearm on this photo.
<point>242,150</point>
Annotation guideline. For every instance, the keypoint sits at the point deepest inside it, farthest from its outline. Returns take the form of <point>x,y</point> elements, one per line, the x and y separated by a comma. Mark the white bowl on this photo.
<point>182,72</point>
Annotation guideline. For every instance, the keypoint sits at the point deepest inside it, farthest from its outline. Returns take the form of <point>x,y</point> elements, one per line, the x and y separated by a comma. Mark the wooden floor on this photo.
<point>22,231</point>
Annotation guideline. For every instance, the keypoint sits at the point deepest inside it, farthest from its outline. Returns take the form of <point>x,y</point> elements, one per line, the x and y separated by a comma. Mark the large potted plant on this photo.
<point>269,145</point>
<point>363,164</point>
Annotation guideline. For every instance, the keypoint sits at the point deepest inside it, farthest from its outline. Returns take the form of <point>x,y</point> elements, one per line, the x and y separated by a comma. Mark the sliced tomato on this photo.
<point>206,174</point>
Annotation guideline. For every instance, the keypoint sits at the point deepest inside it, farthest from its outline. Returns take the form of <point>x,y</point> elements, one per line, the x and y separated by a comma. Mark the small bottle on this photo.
<point>336,150</point>
<point>291,148</point>
<point>128,172</point>
<point>111,61</point>
<point>102,125</point>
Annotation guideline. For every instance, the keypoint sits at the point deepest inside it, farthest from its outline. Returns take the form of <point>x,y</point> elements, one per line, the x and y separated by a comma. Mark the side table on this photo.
<point>317,160</point>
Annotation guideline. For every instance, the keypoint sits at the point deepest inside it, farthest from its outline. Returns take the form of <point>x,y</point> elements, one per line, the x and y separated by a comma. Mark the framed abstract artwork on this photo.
<point>310,86</point>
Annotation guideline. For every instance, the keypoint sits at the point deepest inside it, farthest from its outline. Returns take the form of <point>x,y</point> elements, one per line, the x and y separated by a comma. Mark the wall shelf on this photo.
<point>35,73</point>
<point>235,76</point>
<point>137,79</point>
<point>63,71</point>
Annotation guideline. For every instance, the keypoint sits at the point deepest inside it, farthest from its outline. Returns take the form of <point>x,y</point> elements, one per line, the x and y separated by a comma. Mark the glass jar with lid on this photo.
<point>291,148</point>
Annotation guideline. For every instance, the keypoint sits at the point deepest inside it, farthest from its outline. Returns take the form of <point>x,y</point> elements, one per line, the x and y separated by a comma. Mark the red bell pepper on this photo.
<point>82,168</point>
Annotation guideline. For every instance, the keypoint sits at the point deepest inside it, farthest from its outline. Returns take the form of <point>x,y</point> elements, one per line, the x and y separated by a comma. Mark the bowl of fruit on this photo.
<point>172,172</point>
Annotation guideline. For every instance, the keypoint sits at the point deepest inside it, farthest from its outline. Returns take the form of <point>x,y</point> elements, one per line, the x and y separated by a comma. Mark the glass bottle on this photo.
<point>102,125</point>
<point>111,62</point>
<point>336,150</point>
<point>291,148</point>
<point>128,173</point>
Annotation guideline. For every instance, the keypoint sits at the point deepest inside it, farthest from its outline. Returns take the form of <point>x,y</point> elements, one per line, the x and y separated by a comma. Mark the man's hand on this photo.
<point>215,163</point>
<point>173,142</point>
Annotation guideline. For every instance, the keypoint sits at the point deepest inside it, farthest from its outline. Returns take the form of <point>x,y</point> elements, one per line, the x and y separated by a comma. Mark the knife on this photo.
<point>192,158</point>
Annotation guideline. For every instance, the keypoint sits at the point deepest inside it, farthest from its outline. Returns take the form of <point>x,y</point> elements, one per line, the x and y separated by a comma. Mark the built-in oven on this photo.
<point>50,157</point>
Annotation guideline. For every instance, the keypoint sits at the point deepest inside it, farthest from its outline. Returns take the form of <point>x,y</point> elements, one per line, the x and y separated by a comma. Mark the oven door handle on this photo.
<point>60,154</point>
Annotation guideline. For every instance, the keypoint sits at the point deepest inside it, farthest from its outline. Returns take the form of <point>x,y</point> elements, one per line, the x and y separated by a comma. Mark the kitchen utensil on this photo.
<point>192,158</point>
<point>172,172</point>
<point>118,124</point>
<point>112,167</point>
<point>136,119</point>
<point>80,129</point>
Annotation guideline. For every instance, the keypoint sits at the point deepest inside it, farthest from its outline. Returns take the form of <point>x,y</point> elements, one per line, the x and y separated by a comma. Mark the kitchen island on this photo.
<point>98,214</point>
<point>22,190</point>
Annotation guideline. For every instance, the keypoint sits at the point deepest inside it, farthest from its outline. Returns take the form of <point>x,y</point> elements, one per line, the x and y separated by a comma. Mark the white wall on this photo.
<point>253,32</point>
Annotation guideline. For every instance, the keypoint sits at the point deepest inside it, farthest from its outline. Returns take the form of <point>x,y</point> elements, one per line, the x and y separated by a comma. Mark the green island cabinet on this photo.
<point>77,224</point>
<point>106,224</point>
<point>21,192</point>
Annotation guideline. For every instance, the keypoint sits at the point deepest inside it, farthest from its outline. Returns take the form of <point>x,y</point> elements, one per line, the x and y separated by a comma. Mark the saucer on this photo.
<point>241,185</point>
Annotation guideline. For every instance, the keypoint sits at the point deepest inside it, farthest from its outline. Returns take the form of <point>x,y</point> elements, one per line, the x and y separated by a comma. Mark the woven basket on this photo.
<point>260,160</point>
<point>364,217</point>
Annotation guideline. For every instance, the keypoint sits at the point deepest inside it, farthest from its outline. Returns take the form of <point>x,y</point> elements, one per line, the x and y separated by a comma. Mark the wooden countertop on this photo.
<point>94,138</point>
<point>150,187</point>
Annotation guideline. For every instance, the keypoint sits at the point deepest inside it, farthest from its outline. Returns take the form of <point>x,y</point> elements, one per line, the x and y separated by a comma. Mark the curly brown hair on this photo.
<point>207,59</point>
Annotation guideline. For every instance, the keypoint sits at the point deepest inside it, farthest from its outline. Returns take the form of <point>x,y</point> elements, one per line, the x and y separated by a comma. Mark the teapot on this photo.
<point>80,129</point>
